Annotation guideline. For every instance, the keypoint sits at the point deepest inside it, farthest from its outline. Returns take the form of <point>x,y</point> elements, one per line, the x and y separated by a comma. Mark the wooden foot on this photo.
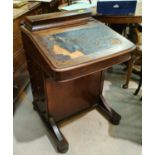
<point>136,92</point>
<point>140,84</point>
<point>61,143</point>
<point>108,112</point>
<point>125,86</point>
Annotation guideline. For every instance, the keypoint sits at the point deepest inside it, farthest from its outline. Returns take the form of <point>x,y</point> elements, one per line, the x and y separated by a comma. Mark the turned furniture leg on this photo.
<point>108,112</point>
<point>140,83</point>
<point>129,71</point>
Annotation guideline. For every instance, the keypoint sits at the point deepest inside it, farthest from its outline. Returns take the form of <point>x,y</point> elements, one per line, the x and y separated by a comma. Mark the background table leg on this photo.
<point>129,71</point>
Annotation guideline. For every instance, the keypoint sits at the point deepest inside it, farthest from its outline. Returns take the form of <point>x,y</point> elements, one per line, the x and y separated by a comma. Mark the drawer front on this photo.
<point>20,81</point>
<point>18,21</point>
<point>17,43</point>
<point>20,76</point>
<point>18,60</point>
<point>16,25</point>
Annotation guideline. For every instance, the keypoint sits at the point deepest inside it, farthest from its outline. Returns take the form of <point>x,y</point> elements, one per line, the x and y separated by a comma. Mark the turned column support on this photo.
<point>129,71</point>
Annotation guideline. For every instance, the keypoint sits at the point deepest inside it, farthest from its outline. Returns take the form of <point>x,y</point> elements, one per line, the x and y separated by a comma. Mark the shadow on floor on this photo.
<point>29,127</point>
<point>123,101</point>
<point>126,104</point>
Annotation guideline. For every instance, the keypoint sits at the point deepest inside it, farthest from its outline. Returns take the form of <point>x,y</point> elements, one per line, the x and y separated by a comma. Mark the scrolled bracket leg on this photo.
<point>140,84</point>
<point>108,112</point>
<point>61,142</point>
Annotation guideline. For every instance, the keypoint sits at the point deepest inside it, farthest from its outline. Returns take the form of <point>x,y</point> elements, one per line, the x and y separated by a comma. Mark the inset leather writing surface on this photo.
<point>73,47</point>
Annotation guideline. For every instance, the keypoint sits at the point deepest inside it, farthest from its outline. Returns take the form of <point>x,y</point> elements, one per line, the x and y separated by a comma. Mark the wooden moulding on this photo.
<point>44,21</point>
<point>74,72</point>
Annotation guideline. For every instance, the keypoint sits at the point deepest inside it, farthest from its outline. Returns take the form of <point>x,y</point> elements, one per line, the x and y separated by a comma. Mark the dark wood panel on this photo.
<point>17,43</point>
<point>20,81</point>
<point>67,98</point>
<point>19,60</point>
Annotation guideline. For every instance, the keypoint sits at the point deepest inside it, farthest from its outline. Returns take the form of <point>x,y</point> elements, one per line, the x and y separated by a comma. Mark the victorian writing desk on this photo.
<point>67,55</point>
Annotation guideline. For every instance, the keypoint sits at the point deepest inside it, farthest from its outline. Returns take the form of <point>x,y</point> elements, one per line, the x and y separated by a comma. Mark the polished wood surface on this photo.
<point>67,64</point>
<point>73,96</point>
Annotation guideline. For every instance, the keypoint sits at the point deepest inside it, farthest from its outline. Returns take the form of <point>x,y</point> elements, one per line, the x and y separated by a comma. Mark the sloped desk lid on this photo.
<point>78,43</point>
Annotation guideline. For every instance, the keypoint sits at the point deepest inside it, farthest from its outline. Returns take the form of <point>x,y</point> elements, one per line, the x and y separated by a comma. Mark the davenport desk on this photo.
<point>67,55</point>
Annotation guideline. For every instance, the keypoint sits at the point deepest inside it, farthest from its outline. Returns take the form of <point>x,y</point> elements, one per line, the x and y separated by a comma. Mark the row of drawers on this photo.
<point>20,72</point>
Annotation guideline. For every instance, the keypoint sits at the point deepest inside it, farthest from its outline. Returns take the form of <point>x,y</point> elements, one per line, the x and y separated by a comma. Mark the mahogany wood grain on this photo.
<point>66,72</point>
<point>68,98</point>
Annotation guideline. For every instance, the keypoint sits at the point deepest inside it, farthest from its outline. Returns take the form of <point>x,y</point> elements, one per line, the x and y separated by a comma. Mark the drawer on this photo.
<point>17,42</point>
<point>20,81</point>
<point>16,25</point>
<point>18,60</point>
